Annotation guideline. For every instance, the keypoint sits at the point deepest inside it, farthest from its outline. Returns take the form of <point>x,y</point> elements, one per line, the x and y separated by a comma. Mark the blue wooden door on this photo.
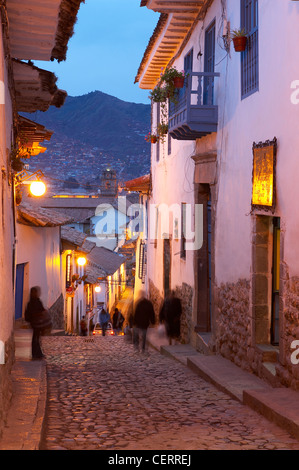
<point>19,291</point>
<point>275,282</point>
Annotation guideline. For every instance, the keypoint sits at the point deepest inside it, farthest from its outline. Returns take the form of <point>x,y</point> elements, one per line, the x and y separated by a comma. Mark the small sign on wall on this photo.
<point>264,175</point>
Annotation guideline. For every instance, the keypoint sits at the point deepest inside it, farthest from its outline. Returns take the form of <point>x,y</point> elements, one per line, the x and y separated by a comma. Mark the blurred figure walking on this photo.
<point>144,316</point>
<point>104,319</point>
<point>117,321</point>
<point>83,326</point>
<point>39,319</point>
<point>170,315</point>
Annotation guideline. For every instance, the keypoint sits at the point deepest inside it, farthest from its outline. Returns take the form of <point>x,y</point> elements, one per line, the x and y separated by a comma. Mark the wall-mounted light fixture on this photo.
<point>37,187</point>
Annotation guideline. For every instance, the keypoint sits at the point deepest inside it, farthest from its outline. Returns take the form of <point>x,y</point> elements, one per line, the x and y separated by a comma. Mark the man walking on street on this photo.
<point>144,315</point>
<point>104,319</point>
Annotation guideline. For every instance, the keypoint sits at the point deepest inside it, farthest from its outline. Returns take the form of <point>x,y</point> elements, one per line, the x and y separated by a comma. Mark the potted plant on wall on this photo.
<point>152,138</point>
<point>173,77</point>
<point>162,130</point>
<point>158,94</point>
<point>239,39</point>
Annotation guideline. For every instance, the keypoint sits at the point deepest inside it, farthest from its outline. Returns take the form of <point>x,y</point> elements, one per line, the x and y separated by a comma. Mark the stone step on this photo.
<point>269,352</point>
<point>269,374</point>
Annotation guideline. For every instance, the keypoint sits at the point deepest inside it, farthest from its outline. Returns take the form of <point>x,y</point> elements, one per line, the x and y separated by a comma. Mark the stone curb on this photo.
<point>23,429</point>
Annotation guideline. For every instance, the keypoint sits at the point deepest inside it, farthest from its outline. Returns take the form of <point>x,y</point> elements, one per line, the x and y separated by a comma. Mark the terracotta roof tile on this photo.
<point>108,260</point>
<point>39,216</point>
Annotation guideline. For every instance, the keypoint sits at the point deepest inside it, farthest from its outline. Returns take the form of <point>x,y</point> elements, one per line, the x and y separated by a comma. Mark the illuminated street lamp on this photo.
<point>37,188</point>
<point>81,261</point>
<point>97,289</point>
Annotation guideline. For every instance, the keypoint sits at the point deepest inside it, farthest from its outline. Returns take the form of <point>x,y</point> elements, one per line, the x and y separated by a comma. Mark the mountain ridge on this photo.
<point>95,129</point>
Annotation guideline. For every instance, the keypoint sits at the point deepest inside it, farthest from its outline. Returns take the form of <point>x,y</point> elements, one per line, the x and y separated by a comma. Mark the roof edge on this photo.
<point>160,25</point>
<point>67,19</point>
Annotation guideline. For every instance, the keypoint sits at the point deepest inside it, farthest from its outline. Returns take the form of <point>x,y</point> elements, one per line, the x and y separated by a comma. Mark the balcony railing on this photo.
<point>195,113</point>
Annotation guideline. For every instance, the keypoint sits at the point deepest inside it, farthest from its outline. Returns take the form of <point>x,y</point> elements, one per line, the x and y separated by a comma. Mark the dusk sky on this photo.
<point>106,50</point>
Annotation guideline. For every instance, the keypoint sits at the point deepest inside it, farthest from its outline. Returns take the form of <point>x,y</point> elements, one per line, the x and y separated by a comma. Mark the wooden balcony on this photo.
<point>195,114</point>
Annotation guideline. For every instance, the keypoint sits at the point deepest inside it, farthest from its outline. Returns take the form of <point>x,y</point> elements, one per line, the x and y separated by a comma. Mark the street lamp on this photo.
<point>37,188</point>
<point>81,261</point>
<point>97,289</point>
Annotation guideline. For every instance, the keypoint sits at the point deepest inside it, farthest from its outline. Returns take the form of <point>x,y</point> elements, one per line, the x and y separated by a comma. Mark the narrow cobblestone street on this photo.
<point>104,395</point>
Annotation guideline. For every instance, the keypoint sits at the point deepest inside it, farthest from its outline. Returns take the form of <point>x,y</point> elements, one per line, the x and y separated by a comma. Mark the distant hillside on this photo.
<point>91,131</point>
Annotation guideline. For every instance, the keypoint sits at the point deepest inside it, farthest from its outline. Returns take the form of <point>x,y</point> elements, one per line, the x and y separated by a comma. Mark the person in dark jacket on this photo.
<point>33,314</point>
<point>117,321</point>
<point>170,315</point>
<point>104,320</point>
<point>83,326</point>
<point>144,316</point>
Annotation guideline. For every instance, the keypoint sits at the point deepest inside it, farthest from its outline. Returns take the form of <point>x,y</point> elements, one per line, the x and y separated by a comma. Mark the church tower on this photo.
<point>109,185</point>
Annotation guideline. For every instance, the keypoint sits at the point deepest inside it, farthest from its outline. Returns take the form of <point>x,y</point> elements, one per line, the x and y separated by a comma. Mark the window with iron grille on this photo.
<point>142,262</point>
<point>250,57</point>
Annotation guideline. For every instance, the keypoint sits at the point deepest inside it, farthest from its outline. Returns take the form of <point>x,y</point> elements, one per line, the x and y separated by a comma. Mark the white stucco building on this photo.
<point>142,186</point>
<point>38,260</point>
<point>231,149</point>
<point>23,88</point>
<point>102,218</point>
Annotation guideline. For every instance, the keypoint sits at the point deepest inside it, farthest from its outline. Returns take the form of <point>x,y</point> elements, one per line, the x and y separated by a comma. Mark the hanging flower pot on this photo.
<point>162,129</point>
<point>151,138</point>
<point>240,40</point>
<point>240,43</point>
<point>158,94</point>
<point>178,82</point>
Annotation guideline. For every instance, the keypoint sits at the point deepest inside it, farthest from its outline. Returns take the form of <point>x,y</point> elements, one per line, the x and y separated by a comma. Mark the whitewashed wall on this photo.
<point>264,115</point>
<point>6,211</point>
<point>40,248</point>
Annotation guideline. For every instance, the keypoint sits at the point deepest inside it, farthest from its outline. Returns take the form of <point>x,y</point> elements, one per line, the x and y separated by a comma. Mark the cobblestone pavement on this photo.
<point>103,395</point>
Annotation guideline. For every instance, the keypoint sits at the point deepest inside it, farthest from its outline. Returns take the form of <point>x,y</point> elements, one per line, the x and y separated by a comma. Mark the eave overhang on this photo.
<point>177,20</point>
<point>35,88</point>
<point>31,134</point>
<point>31,131</point>
<point>141,184</point>
<point>41,30</point>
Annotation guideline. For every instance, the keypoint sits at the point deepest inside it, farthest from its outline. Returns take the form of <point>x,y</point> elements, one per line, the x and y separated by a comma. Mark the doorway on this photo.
<point>166,265</point>
<point>275,282</point>
<point>19,292</point>
<point>22,291</point>
<point>266,279</point>
<point>204,264</point>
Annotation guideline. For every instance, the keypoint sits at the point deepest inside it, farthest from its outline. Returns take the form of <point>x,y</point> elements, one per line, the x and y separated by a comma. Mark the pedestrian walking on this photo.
<point>117,321</point>
<point>104,319</point>
<point>91,326</point>
<point>83,326</point>
<point>40,320</point>
<point>128,330</point>
<point>170,315</point>
<point>144,316</point>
